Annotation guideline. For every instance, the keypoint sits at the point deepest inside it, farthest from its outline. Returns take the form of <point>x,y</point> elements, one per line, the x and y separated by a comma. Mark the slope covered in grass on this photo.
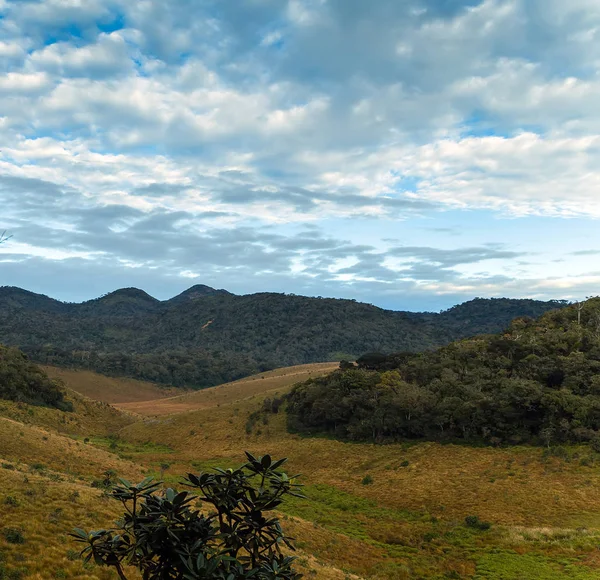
<point>230,392</point>
<point>375,512</point>
<point>398,511</point>
<point>110,389</point>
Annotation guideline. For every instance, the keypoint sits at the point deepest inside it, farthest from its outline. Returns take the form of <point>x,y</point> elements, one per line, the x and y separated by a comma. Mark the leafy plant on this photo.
<point>163,536</point>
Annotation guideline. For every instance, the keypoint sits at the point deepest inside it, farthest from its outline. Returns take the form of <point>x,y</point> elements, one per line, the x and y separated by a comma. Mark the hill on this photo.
<point>248,387</point>
<point>110,389</point>
<point>537,381</point>
<point>205,337</point>
<point>373,512</point>
<point>398,511</point>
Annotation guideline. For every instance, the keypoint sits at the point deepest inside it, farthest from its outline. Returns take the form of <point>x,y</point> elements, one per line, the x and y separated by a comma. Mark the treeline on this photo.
<point>537,381</point>
<point>172,367</point>
<point>23,381</point>
<point>205,337</point>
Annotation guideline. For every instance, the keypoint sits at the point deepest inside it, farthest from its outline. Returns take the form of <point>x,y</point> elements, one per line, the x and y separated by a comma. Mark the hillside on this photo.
<point>109,389</point>
<point>248,387</point>
<point>373,512</point>
<point>205,337</point>
<point>537,381</point>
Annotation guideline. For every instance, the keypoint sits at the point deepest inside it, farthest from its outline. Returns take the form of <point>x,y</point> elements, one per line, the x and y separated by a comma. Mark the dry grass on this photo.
<point>109,389</point>
<point>31,445</point>
<point>407,523</point>
<point>46,511</point>
<point>229,392</point>
<point>89,417</point>
<point>508,486</point>
<point>515,489</point>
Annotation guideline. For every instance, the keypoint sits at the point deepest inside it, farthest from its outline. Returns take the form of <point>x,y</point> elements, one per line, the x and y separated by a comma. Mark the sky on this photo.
<point>412,154</point>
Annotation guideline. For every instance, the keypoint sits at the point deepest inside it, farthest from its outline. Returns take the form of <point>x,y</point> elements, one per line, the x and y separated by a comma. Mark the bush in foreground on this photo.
<point>163,536</point>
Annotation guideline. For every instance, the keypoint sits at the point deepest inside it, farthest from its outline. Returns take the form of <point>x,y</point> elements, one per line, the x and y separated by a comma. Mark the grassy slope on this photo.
<point>229,392</point>
<point>47,468</point>
<point>408,523</point>
<point>109,389</point>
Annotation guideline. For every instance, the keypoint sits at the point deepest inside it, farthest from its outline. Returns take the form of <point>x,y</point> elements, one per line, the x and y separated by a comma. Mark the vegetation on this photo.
<point>537,381</point>
<point>25,382</point>
<point>410,522</point>
<point>163,536</point>
<point>409,509</point>
<point>206,337</point>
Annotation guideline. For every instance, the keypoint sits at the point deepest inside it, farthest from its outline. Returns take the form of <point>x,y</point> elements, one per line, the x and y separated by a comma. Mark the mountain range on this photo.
<point>206,336</point>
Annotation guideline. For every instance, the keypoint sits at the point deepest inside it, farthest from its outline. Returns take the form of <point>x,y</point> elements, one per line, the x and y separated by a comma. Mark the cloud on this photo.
<point>586,253</point>
<point>153,133</point>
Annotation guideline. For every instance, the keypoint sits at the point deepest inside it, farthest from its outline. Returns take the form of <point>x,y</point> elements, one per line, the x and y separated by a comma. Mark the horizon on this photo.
<point>167,299</point>
<point>411,155</point>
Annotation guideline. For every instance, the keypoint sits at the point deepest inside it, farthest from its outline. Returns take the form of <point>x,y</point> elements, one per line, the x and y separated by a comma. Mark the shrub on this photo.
<point>11,501</point>
<point>367,480</point>
<point>405,463</point>
<point>13,535</point>
<point>475,523</point>
<point>165,537</point>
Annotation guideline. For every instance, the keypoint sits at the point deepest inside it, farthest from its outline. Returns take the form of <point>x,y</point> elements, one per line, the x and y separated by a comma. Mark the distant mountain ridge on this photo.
<point>206,336</point>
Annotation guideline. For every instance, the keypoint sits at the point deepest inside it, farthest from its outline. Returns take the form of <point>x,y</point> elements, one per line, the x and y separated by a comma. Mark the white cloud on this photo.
<point>305,111</point>
<point>17,83</point>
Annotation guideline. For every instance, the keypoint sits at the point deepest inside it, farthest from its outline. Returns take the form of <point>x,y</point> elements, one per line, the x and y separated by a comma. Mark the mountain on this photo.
<point>123,302</point>
<point>206,336</point>
<point>537,381</point>
<point>197,291</point>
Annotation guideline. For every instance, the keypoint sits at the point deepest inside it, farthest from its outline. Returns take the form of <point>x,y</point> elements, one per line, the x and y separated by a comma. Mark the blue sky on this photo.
<point>412,154</point>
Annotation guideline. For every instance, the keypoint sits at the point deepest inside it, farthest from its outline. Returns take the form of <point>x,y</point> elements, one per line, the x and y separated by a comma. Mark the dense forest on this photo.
<point>23,381</point>
<point>205,336</point>
<point>537,381</point>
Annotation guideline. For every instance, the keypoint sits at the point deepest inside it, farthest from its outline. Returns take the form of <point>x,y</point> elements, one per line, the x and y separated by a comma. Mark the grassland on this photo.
<point>108,389</point>
<point>229,392</point>
<point>374,512</point>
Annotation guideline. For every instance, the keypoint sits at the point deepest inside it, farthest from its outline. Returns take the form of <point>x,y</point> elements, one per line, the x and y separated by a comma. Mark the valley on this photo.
<point>372,511</point>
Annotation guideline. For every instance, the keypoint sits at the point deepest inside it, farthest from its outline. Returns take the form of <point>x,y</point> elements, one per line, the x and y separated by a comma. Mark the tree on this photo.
<point>345,365</point>
<point>163,536</point>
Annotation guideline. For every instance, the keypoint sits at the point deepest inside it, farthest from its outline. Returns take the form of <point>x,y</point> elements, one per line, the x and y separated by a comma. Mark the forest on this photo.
<point>538,381</point>
<point>204,337</point>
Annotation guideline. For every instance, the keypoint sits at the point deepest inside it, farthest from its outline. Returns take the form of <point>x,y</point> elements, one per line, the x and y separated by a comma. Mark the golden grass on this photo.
<point>229,392</point>
<point>89,417</point>
<point>30,445</point>
<point>46,512</point>
<point>109,389</point>
<point>407,523</point>
<point>506,486</point>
